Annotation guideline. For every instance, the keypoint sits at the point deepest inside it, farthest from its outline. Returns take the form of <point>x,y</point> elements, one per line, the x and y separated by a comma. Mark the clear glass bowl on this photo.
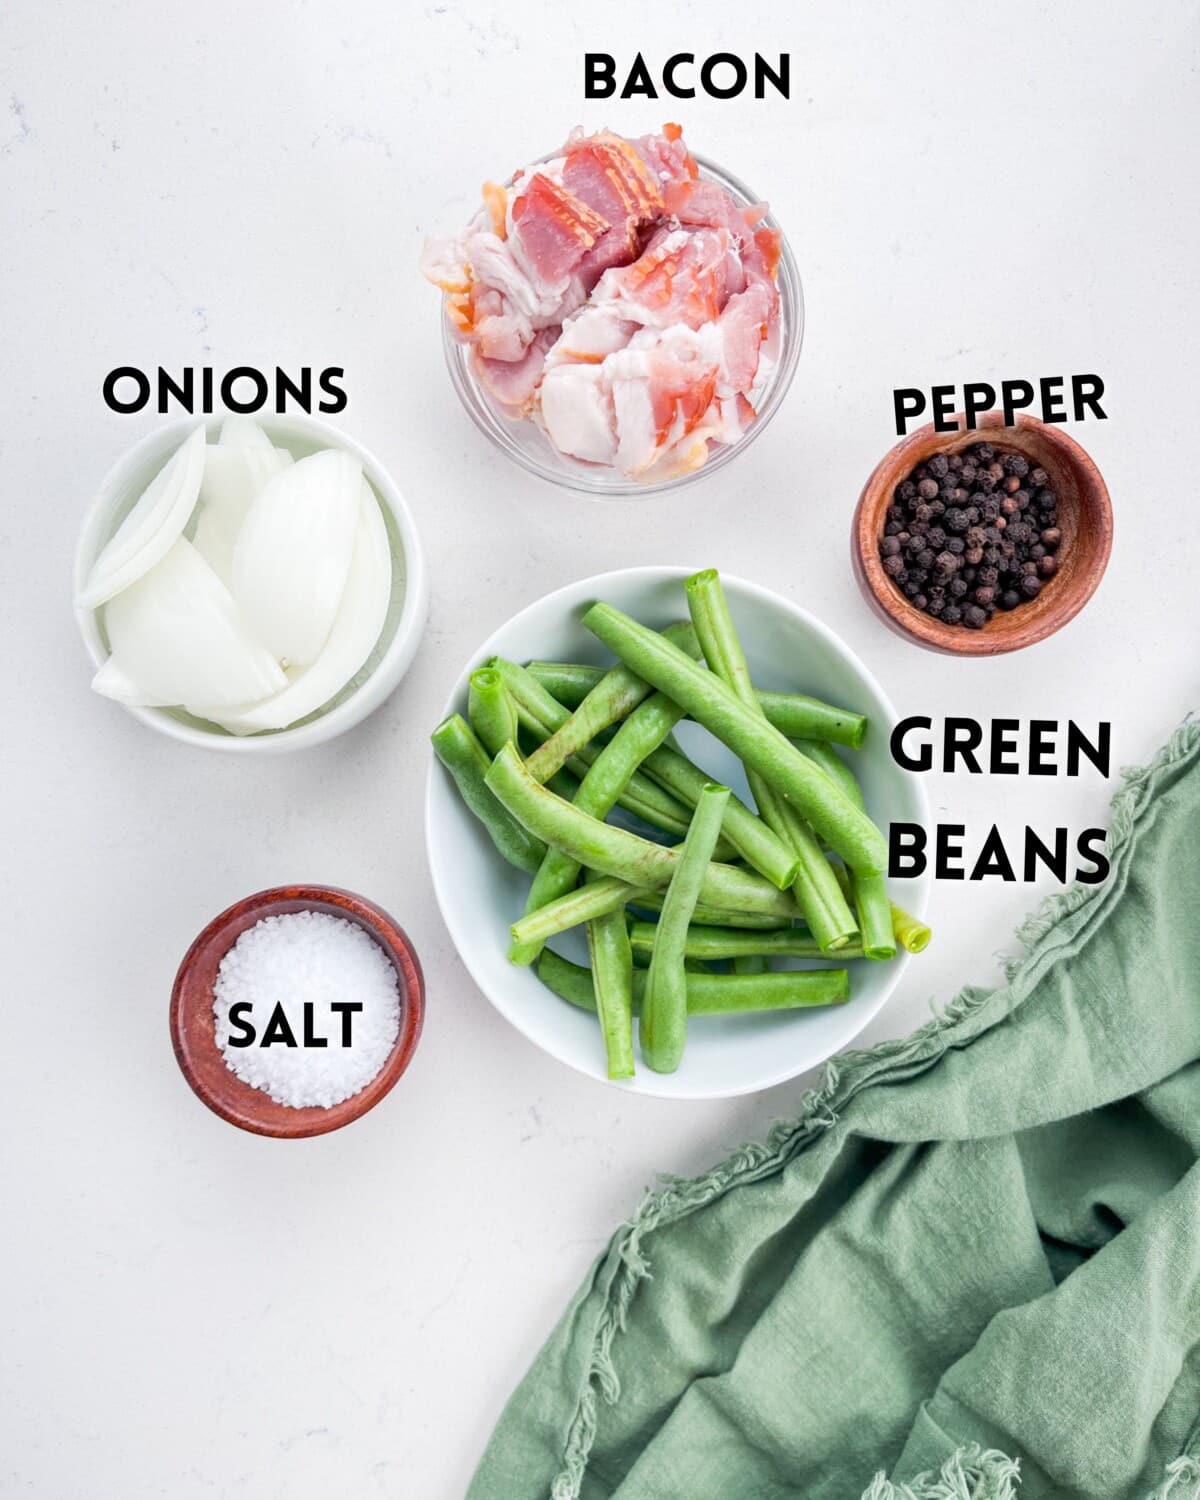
<point>527,445</point>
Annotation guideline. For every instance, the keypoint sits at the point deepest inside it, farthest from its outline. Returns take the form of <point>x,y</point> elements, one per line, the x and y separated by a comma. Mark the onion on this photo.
<point>356,629</point>
<point>234,476</point>
<point>178,635</point>
<point>293,553</point>
<point>112,681</point>
<point>147,533</point>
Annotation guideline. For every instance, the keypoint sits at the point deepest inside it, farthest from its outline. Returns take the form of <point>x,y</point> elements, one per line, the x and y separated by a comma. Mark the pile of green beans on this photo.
<point>686,910</point>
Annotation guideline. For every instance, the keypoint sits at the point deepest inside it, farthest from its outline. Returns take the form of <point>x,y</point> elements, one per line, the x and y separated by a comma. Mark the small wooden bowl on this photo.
<point>1084,517</point>
<point>193,1024</point>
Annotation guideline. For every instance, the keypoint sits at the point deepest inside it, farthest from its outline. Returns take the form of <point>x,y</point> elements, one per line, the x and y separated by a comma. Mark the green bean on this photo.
<point>598,792</point>
<point>797,716</point>
<point>869,894</point>
<point>833,765</point>
<point>664,1008</point>
<point>712,944</point>
<point>743,830</point>
<point>541,716</point>
<point>612,976</point>
<point>824,906</point>
<point>911,933</point>
<point>803,718</point>
<point>758,744</point>
<point>617,693</point>
<point>569,682</point>
<point>490,710</point>
<point>710,994</point>
<point>714,916</point>
<point>591,900</point>
<point>613,851</point>
<point>459,750</point>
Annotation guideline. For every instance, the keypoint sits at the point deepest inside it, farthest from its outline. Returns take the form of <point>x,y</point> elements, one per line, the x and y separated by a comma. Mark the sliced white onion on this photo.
<point>178,634</point>
<point>151,527</point>
<point>356,629</point>
<point>242,432</point>
<point>293,553</point>
<point>112,681</point>
<point>234,477</point>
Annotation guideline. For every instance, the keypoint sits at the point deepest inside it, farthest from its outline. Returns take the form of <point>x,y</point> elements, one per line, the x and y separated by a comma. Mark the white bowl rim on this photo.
<point>646,1080</point>
<point>391,667</point>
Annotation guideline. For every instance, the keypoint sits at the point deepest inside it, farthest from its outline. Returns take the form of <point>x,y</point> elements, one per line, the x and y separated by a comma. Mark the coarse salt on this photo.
<point>312,958</point>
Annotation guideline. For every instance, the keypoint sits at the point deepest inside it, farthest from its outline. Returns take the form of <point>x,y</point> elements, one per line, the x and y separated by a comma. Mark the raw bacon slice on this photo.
<point>514,382</point>
<point>744,323</point>
<point>667,158</point>
<point>592,334</point>
<point>605,172</point>
<point>680,278</point>
<point>553,229</point>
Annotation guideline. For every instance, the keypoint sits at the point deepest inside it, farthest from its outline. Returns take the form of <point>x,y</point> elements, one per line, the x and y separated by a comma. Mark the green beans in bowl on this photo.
<point>665,795</point>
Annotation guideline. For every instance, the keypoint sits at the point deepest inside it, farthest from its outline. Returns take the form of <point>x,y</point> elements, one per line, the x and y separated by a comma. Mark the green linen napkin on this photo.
<point>972,1263</point>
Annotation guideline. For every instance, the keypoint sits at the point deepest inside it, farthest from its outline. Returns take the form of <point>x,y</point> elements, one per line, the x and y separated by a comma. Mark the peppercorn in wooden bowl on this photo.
<point>1064,549</point>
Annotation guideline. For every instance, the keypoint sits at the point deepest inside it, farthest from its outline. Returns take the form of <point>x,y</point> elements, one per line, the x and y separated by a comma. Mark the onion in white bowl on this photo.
<point>350,675</point>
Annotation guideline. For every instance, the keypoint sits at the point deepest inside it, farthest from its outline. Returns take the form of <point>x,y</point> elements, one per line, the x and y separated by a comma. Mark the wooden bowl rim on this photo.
<point>952,640</point>
<point>240,1103</point>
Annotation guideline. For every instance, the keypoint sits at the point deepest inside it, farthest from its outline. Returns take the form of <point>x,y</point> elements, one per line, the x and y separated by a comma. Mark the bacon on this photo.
<point>553,228</point>
<point>514,382</point>
<point>743,325</point>
<point>619,301</point>
<point>679,278</point>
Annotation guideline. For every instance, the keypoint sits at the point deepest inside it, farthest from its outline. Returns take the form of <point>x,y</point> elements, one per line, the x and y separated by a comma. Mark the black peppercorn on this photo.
<point>971,532</point>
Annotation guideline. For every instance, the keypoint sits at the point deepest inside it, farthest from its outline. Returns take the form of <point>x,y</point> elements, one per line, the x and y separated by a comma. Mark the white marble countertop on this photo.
<point>970,195</point>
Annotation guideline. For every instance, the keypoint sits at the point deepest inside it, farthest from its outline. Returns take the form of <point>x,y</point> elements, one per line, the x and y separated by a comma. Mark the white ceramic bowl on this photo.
<point>402,629</point>
<point>480,895</point>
